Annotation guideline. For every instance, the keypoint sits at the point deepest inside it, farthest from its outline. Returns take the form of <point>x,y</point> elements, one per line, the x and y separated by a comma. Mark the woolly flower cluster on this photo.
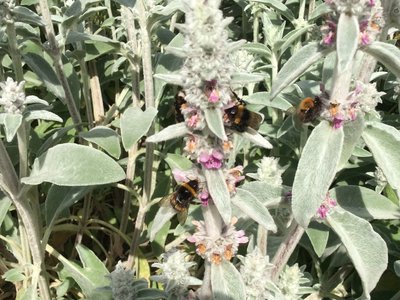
<point>255,270</point>
<point>379,180</point>
<point>269,171</point>
<point>217,248</point>
<point>243,61</point>
<point>362,99</point>
<point>290,281</point>
<point>206,72</point>
<point>206,76</point>
<point>13,96</point>
<point>369,13</point>
<point>174,272</point>
<point>122,282</point>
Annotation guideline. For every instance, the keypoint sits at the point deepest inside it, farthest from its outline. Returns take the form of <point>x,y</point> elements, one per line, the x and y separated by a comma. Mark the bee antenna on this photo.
<point>238,99</point>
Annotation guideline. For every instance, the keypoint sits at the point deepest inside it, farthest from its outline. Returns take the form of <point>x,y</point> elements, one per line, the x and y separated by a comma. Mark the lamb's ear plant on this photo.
<point>268,117</point>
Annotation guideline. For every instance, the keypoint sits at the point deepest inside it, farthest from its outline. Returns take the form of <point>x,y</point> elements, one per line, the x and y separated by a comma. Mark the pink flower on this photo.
<point>214,96</point>
<point>338,121</point>
<point>371,3</point>
<point>211,161</point>
<point>352,111</point>
<point>364,24</point>
<point>365,38</point>
<point>192,121</point>
<point>329,32</point>
<point>322,211</point>
<point>329,39</point>
<point>326,206</point>
<point>204,197</point>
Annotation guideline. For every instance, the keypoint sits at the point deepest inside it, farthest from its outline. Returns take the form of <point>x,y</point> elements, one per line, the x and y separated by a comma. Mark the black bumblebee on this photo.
<point>182,198</point>
<point>179,104</point>
<point>240,118</point>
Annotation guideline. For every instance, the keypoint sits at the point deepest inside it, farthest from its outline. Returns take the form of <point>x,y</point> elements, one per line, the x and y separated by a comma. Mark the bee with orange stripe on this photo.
<point>181,198</point>
<point>180,103</point>
<point>240,118</point>
<point>309,109</point>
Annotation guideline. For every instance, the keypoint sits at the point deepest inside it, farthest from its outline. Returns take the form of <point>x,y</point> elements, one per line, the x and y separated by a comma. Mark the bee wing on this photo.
<point>182,216</point>
<point>166,200</point>
<point>255,120</point>
<point>291,111</point>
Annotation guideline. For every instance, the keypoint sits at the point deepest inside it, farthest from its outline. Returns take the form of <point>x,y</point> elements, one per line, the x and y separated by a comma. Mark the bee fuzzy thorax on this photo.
<point>239,118</point>
<point>309,109</point>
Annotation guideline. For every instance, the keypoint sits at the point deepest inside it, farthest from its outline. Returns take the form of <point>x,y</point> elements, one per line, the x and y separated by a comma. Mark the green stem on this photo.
<point>302,9</point>
<point>130,174</point>
<point>80,46</point>
<point>136,235</point>
<point>129,24</point>
<point>286,249</point>
<point>87,208</point>
<point>149,100</point>
<point>262,238</point>
<point>14,52</point>
<point>10,185</point>
<point>256,27</point>
<point>23,141</point>
<point>55,53</point>
<point>274,63</point>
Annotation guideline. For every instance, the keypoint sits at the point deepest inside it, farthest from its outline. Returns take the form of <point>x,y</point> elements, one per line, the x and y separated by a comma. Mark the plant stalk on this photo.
<point>10,184</point>
<point>149,101</point>
<point>14,52</point>
<point>129,24</point>
<point>55,53</point>
<point>286,249</point>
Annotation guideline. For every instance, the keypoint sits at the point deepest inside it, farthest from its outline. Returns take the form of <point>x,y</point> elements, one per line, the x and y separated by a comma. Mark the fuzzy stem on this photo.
<point>149,100</point>
<point>286,249</point>
<point>302,9</point>
<point>136,235</point>
<point>212,220</point>
<point>262,237</point>
<point>10,185</point>
<point>14,53</point>
<point>205,292</point>
<point>23,172</point>
<point>55,53</point>
<point>87,207</point>
<point>341,85</point>
<point>80,46</point>
<point>256,26</point>
<point>129,24</point>
<point>149,96</point>
<point>95,89</point>
<point>22,139</point>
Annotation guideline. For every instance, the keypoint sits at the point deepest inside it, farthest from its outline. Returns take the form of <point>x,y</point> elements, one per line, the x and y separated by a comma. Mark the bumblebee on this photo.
<point>182,198</point>
<point>309,109</point>
<point>180,103</point>
<point>240,118</point>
